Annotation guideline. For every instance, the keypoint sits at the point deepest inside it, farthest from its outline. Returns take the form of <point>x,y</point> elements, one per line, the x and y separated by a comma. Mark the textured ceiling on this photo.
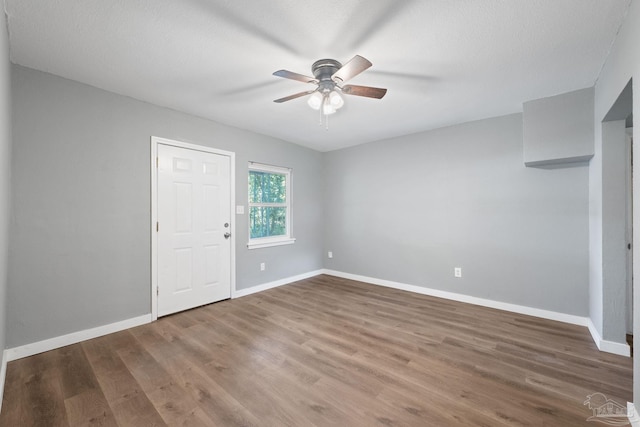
<point>443,61</point>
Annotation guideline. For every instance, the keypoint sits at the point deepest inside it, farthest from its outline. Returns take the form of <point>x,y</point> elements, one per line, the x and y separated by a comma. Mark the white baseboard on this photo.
<point>3,376</point>
<point>632,413</point>
<point>603,345</point>
<point>522,309</point>
<point>73,338</point>
<point>608,346</point>
<point>615,348</point>
<point>594,334</point>
<point>275,284</point>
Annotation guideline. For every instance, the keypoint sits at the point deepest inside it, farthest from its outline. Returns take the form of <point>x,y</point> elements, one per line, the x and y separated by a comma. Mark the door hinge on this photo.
<point>157,226</point>
<point>157,162</point>
<point>157,290</point>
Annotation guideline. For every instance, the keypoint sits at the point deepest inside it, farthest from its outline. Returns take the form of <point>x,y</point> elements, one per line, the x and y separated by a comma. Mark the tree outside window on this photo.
<point>269,205</point>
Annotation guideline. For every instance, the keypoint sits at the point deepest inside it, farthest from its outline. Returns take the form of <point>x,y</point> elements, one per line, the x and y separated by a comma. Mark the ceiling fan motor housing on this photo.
<point>322,70</point>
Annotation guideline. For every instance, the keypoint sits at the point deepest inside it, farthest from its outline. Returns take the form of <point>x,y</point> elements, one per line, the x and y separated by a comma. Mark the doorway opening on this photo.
<point>617,219</point>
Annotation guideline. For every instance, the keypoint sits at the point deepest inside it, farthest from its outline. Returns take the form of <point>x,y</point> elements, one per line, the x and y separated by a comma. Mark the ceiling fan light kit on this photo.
<point>329,75</point>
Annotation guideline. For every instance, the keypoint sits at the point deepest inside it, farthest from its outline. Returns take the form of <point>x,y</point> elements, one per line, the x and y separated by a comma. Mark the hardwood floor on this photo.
<point>322,352</point>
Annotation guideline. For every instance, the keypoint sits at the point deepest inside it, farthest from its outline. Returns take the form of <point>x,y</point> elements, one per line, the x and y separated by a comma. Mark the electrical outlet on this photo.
<point>329,254</point>
<point>457,272</point>
<point>263,266</point>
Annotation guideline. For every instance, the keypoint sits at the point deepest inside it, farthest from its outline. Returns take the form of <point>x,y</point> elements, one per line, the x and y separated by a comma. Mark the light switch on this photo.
<point>240,209</point>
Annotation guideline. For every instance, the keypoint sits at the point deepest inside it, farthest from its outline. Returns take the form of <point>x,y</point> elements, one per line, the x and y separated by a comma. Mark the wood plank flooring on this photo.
<point>322,352</point>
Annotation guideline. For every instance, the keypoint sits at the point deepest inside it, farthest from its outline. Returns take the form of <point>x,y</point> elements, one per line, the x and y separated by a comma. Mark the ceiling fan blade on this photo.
<point>368,91</point>
<point>295,76</point>
<point>294,96</point>
<point>352,68</point>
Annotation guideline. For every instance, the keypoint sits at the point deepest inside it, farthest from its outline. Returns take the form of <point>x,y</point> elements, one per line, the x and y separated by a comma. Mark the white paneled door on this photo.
<point>194,215</point>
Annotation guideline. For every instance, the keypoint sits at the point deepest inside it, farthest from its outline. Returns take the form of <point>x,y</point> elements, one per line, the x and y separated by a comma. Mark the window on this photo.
<point>269,206</point>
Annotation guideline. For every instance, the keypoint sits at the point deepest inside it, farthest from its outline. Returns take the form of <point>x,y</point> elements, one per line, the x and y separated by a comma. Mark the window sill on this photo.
<point>269,243</point>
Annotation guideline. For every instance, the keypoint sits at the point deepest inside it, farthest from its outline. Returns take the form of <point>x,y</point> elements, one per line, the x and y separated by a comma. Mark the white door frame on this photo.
<point>629,228</point>
<point>155,141</point>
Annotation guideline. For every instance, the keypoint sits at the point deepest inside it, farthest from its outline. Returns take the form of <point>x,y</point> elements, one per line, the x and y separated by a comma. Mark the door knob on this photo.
<point>227,235</point>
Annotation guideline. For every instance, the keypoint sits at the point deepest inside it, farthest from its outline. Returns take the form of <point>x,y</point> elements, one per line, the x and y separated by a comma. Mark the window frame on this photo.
<point>285,239</point>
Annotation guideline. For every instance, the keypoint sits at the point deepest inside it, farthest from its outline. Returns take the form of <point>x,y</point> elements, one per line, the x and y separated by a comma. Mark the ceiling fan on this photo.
<point>329,75</point>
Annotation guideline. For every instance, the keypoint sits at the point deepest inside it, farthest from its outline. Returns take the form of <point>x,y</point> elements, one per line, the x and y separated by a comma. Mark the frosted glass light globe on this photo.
<point>315,100</point>
<point>336,100</point>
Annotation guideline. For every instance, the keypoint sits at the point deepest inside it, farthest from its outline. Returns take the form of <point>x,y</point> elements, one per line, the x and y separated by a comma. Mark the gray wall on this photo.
<point>411,209</point>
<point>5,170</point>
<point>80,251</point>
<point>558,129</point>
<point>623,64</point>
